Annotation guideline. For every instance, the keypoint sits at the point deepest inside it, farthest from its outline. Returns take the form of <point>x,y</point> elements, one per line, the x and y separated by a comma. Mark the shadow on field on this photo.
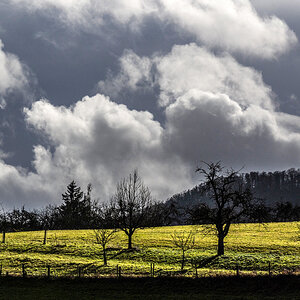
<point>122,252</point>
<point>201,263</point>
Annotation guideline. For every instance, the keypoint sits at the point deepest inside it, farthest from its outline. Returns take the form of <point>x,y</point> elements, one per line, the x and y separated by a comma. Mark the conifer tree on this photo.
<point>73,206</point>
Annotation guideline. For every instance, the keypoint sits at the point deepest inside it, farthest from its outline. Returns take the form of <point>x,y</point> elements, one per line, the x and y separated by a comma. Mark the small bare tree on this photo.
<point>131,205</point>
<point>103,237</point>
<point>185,241</point>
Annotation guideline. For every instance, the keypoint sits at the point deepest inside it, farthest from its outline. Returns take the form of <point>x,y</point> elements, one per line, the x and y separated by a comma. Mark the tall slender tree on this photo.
<point>131,205</point>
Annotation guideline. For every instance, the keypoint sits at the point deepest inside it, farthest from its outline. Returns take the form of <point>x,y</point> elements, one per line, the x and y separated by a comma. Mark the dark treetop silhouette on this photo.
<point>76,207</point>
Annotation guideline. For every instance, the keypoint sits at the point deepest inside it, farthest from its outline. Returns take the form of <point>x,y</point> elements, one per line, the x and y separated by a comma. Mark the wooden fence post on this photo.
<point>237,270</point>
<point>48,267</point>
<point>0,269</point>
<point>152,269</point>
<point>23,271</point>
<point>79,272</point>
<point>3,237</point>
<point>196,272</point>
<point>269,267</point>
<point>119,272</point>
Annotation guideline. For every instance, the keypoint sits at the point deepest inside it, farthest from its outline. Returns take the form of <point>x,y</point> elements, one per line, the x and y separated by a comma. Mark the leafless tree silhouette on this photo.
<point>184,241</point>
<point>230,199</point>
<point>103,237</point>
<point>131,205</point>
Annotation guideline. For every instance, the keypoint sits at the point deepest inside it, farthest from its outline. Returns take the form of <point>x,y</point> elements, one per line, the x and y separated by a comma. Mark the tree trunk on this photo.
<point>129,241</point>
<point>104,257</point>
<point>182,261</point>
<point>3,237</point>
<point>45,237</point>
<point>220,244</point>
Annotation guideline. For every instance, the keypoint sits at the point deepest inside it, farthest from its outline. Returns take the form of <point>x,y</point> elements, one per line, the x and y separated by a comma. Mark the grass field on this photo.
<point>251,246</point>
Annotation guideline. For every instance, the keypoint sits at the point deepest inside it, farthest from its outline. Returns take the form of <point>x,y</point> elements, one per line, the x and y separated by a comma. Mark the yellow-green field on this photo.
<point>251,246</point>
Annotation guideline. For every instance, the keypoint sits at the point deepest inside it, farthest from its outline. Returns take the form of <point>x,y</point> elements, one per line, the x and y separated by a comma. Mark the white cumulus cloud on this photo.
<point>99,141</point>
<point>190,66</point>
<point>13,75</point>
<point>231,25</point>
<point>209,126</point>
<point>216,108</point>
<point>135,72</point>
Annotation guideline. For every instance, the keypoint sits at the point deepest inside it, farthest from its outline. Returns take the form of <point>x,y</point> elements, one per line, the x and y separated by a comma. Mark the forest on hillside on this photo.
<point>276,194</point>
<point>272,187</point>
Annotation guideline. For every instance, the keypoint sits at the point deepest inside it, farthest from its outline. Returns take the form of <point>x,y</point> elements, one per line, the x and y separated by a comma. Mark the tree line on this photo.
<point>224,197</point>
<point>131,207</point>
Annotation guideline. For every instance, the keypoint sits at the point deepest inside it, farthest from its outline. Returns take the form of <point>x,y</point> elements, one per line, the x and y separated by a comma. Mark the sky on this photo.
<point>92,89</point>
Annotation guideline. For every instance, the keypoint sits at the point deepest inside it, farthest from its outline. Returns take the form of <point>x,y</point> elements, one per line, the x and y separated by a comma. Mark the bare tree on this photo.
<point>131,205</point>
<point>103,237</point>
<point>185,241</point>
<point>230,199</point>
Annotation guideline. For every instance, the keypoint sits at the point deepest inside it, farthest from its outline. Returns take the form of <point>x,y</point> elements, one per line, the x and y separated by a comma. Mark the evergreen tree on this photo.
<point>73,207</point>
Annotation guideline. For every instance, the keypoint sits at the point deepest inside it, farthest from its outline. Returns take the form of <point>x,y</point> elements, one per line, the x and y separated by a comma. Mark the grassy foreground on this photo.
<point>251,246</point>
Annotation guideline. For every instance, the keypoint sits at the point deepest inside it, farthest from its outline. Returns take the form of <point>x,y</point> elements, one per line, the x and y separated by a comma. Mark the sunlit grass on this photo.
<point>250,246</point>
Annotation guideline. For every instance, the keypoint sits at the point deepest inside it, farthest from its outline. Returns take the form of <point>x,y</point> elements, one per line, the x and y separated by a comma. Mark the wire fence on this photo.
<point>118,271</point>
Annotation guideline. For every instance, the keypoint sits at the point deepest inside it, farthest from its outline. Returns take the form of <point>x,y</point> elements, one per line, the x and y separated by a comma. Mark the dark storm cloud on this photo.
<point>283,75</point>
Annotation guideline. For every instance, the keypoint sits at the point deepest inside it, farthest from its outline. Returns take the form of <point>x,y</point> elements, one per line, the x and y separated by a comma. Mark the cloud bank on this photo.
<point>208,117</point>
<point>213,107</point>
<point>231,25</point>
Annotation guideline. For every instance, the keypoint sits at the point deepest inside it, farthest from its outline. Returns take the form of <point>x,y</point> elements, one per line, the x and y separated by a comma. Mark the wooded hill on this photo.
<point>272,187</point>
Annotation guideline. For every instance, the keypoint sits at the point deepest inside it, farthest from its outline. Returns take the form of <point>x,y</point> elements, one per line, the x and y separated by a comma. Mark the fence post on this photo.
<point>23,271</point>
<point>79,272</point>
<point>152,269</point>
<point>0,269</point>
<point>3,237</point>
<point>119,272</point>
<point>48,267</point>
<point>237,270</point>
<point>196,272</point>
<point>269,267</point>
